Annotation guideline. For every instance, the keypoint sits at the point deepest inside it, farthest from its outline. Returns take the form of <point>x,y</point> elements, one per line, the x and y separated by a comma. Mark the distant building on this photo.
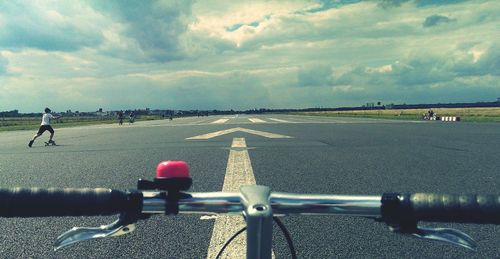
<point>498,99</point>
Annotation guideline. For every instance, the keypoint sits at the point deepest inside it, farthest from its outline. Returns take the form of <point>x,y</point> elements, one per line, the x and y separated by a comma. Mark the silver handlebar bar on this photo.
<point>281,204</point>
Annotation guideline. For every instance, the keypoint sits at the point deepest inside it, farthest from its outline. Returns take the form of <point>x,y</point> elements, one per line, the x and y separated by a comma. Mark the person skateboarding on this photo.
<point>44,126</point>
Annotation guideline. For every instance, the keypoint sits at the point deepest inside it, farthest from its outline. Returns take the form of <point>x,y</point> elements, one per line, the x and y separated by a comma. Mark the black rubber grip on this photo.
<point>466,208</point>
<point>483,209</point>
<point>36,202</point>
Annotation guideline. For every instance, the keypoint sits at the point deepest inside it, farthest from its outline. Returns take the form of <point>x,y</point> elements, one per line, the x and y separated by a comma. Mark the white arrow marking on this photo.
<point>238,172</point>
<point>224,132</point>
<point>256,120</point>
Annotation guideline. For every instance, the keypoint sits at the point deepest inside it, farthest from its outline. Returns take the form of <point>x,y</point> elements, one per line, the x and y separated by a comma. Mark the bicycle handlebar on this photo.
<point>165,195</point>
<point>391,208</point>
<point>257,203</point>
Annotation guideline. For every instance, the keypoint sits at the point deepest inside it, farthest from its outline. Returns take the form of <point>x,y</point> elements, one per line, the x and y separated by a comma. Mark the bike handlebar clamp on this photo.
<point>165,184</point>
<point>173,188</point>
<point>134,210</point>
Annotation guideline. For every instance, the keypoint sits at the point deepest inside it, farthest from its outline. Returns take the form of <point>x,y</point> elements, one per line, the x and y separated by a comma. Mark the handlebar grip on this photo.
<point>468,208</point>
<point>37,202</point>
<point>463,208</point>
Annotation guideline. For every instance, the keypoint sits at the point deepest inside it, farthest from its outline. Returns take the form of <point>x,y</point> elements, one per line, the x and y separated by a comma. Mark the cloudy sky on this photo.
<point>212,54</point>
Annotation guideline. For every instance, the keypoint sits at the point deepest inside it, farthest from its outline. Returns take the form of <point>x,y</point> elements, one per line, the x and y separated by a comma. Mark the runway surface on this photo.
<point>287,153</point>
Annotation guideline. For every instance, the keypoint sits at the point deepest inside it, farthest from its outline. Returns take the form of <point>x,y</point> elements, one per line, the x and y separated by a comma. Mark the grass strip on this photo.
<point>32,123</point>
<point>466,114</point>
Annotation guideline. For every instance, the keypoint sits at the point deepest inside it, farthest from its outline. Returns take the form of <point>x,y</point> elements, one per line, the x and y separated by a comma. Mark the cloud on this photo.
<point>325,5</point>
<point>4,62</point>
<point>153,27</point>
<point>428,70</point>
<point>435,20</point>
<point>233,24</point>
<point>477,61</point>
<point>491,62</point>
<point>418,3</point>
<point>235,27</point>
<point>317,75</point>
<point>421,3</point>
<point>232,89</point>
<point>277,26</point>
<point>48,26</point>
<point>391,3</point>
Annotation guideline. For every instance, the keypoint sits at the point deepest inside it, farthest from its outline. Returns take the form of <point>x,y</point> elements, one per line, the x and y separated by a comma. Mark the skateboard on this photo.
<point>53,143</point>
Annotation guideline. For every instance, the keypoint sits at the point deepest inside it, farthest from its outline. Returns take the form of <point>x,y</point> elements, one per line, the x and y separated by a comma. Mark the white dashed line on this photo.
<point>255,120</point>
<point>278,120</point>
<point>220,121</point>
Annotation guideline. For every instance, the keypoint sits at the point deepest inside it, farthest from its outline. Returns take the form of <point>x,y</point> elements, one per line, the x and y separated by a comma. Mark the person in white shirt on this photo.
<point>44,126</point>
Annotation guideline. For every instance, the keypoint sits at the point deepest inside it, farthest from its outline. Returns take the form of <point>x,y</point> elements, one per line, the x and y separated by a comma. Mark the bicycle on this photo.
<point>166,194</point>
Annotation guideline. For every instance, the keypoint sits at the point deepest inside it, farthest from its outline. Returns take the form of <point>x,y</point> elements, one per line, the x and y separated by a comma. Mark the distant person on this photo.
<point>44,126</point>
<point>131,117</point>
<point>428,115</point>
<point>120,117</point>
<point>431,114</point>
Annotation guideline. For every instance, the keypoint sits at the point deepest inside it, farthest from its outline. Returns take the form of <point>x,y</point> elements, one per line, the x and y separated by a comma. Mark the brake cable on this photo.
<point>283,229</point>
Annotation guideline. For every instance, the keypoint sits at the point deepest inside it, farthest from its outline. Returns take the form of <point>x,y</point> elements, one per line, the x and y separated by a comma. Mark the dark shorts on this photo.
<point>43,128</point>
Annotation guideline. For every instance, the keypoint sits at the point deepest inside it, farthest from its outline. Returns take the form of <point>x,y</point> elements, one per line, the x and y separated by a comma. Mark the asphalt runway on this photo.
<point>322,155</point>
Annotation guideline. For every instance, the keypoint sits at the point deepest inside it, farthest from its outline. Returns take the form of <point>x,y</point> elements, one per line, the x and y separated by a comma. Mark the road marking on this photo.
<point>238,172</point>
<point>224,132</point>
<point>278,120</point>
<point>220,121</point>
<point>255,120</point>
<point>239,142</point>
<point>214,134</point>
<point>181,122</point>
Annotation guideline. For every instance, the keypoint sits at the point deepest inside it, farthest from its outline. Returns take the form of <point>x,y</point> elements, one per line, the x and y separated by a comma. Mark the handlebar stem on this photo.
<point>259,217</point>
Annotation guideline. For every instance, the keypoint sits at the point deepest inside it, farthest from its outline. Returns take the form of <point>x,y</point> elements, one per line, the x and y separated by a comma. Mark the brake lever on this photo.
<point>122,226</point>
<point>447,235</point>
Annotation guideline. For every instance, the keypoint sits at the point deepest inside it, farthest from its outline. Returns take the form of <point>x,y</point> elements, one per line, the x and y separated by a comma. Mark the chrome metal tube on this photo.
<point>196,203</point>
<point>281,203</point>
<point>310,204</point>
